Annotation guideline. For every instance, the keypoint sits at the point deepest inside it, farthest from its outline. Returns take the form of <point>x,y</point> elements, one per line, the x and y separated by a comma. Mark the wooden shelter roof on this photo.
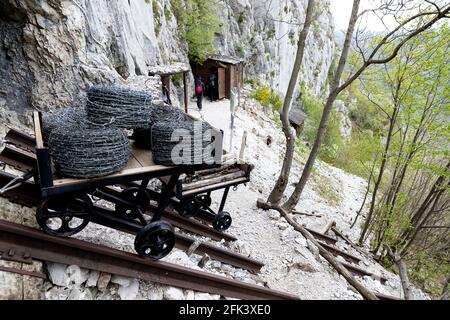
<point>296,116</point>
<point>226,59</point>
<point>167,70</point>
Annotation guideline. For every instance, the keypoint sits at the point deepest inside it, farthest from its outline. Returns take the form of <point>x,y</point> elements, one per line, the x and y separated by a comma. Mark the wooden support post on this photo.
<point>243,144</point>
<point>186,91</point>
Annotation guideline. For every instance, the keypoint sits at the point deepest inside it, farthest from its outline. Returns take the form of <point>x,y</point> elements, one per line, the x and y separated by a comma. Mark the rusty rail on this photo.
<point>21,139</point>
<point>23,272</point>
<point>338,252</point>
<point>361,272</point>
<point>320,236</point>
<point>17,158</point>
<point>184,242</point>
<point>96,257</point>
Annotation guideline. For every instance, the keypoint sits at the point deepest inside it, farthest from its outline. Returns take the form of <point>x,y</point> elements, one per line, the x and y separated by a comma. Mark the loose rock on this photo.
<point>103,281</point>
<point>129,292</point>
<point>57,274</point>
<point>171,293</point>
<point>120,280</point>
<point>77,275</point>
<point>274,215</point>
<point>92,279</point>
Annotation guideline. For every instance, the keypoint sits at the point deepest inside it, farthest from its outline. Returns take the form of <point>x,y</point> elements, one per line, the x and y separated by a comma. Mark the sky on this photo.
<point>341,10</point>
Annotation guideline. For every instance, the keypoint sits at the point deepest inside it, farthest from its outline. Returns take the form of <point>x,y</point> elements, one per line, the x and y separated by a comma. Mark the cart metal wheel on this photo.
<point>222,221</point>
<point>135,196</point>
<point>189,208</point>
<point>206,201</point>
<point>155,240</point>
<point>64,216</point>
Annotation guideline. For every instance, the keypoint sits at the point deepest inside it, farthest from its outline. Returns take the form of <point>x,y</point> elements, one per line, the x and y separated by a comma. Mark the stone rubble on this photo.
<point>128,291</point>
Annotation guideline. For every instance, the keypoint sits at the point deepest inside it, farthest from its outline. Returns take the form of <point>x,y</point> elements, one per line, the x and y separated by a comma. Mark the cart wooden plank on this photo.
<point>37,130</point>
<point>123,173</point>
<point>216,186</point>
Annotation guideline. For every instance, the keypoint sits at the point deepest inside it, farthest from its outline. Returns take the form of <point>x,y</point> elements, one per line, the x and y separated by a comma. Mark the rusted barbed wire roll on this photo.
<point>89,152</point>
<point>190,142</point>
<point>70,116</point>
<point>119,107</point>
<point>142,137</point>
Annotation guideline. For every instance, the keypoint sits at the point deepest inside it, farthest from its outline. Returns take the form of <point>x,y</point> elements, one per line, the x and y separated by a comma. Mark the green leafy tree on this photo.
<point>409,216</point>
<point>198,25</point>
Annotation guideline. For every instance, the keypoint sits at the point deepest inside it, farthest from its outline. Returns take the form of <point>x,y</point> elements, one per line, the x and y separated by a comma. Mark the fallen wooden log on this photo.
<point>386,297</point>
<point>402,271</point>
<point>307,214</point>
<point>208,182</point>
<point>322,251</point>
<point>200,177</point>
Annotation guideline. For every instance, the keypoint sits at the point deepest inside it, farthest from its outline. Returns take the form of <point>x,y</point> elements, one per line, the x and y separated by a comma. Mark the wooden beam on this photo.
<point>243,144</point>
<point>216,186</point>
<point>37,130</point>
<point>186,91</point>
<point>214,180</point>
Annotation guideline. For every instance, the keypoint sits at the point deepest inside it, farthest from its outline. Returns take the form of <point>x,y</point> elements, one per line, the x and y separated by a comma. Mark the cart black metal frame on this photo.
<point>197,202</point>
<point>68,198</point>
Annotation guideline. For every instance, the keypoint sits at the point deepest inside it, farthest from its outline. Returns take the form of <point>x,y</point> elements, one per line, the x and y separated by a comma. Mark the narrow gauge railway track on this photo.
<point>27,194</point>
<point>19,153</point>
<point>37,245</point>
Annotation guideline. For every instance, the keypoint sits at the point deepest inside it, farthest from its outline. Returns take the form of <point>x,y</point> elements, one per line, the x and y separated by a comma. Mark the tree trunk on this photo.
<point>282,182</point>
<point>366,195</point>
<point>336,89</point>
<point>403,273</point>
<point>323,252</point>
<point>418,218</point>
<point>380,175</point>
<point>418,227</point>
<point>295,197</point>
<point>445,291</point>
<point>397,181</point>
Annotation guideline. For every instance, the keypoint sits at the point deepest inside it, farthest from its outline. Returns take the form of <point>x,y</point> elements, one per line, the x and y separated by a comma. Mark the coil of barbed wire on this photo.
<point>189,141</point>
<point>119,107</point>
<point>71,116</point>
<point>142,137</point>
<point>89,152</point>
<point>167,113</point>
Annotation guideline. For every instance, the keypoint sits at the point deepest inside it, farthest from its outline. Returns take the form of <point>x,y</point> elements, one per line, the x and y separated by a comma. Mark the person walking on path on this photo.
<point>212,86</point>
<point>199,91</point>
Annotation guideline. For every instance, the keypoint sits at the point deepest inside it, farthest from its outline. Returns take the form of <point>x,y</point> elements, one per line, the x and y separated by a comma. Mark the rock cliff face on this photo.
<point>265,34</point>
<point>51,50</point>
